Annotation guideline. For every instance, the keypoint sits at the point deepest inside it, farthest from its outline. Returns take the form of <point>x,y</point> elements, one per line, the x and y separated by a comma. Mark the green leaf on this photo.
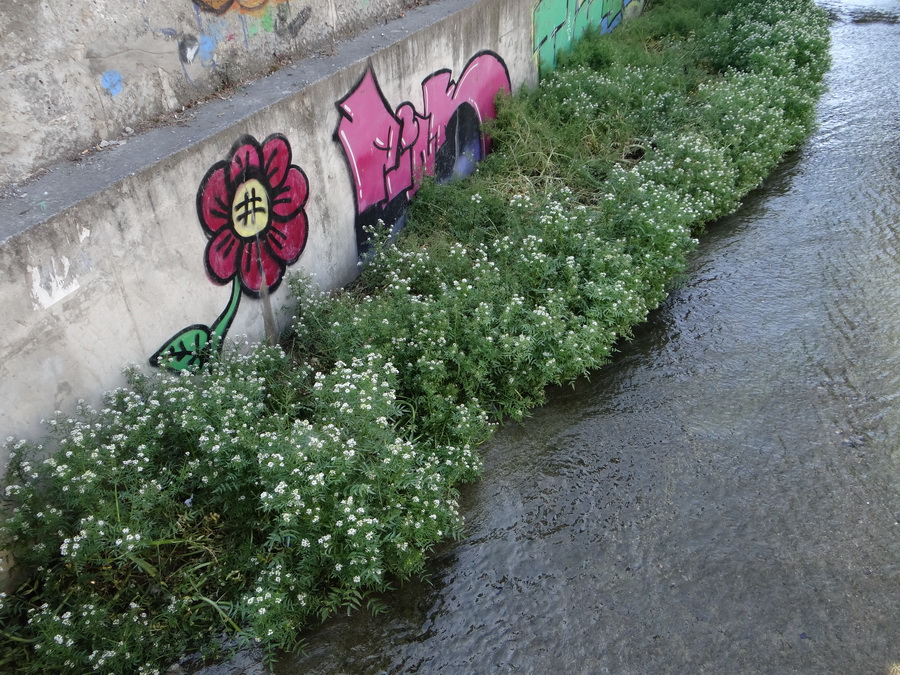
<point>192,347</point>
<point>186,350</point>
<point>144,565</point>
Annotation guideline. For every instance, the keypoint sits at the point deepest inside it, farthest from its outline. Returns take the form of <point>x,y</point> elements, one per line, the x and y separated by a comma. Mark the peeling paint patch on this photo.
<point>49,286</point>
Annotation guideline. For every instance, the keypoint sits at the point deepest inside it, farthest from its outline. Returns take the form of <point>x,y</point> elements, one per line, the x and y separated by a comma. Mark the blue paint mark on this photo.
<point>169,32</point>
<point>207,50</point>
<point>112,82</point>
<point>217,29</point>
<point>209,40</point>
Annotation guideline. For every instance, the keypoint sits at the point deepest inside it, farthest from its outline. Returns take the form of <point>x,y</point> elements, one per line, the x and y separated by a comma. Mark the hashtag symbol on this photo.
<point>248,208</point>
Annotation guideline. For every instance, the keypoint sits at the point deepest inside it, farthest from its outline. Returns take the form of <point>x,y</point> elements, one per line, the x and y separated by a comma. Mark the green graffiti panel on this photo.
<point>557,24</point>
<point>548,19</point>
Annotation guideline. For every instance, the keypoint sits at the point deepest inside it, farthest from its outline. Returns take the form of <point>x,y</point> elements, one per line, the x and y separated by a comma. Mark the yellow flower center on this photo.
<point>250,208</point>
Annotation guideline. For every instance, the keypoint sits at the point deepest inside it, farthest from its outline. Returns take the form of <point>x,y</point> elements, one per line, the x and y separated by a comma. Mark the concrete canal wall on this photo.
<point>148,251</point>
<point>75,74</point>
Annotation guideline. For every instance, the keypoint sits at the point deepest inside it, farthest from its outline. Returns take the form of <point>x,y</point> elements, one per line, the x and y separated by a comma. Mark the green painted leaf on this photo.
<point>186,350</point>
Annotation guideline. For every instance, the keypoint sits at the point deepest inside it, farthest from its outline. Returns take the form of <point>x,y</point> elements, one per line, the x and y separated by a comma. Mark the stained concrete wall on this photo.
<point>77,73</point>
<point>110,259</point>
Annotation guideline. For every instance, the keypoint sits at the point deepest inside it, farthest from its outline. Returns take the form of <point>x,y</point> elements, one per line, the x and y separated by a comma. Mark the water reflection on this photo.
<point>724,497</point>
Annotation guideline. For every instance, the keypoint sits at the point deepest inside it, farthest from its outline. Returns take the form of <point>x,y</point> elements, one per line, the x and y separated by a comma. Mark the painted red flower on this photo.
<point>251,208</point>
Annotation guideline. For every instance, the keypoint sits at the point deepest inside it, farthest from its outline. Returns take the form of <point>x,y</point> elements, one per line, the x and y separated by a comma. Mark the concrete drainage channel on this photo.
<point>140,249</point>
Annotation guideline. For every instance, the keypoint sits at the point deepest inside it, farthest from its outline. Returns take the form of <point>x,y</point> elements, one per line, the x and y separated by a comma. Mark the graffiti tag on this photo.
<point>389,151</point>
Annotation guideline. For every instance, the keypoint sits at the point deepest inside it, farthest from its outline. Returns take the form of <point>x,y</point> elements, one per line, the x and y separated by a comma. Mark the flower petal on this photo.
<point>291,197</point>
<point>287,239</point>
<point>222,254</point>
<point>213,200</point>
<point>276,153</point>
<point>251,275</point>
<point>246,160</point>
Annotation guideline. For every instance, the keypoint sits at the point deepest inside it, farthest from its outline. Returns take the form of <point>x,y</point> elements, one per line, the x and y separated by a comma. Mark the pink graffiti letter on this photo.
<point>369,133</point>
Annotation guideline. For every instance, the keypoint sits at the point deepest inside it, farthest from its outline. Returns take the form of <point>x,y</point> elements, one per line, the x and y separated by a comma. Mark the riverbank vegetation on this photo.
<point>243,503</point>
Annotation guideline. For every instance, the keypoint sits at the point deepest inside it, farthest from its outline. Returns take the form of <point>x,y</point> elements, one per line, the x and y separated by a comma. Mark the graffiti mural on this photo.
<point>557,24</point>
<point>242,6</point>
<point>253,18</point>
<point>389,150</point>
<point>251,206</point>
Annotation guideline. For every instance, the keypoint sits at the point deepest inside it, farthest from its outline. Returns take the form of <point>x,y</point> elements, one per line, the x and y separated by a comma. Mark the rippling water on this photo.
<point>725,497</point>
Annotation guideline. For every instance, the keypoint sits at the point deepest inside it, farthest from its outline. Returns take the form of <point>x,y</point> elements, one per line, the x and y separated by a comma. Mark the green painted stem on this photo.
<point>223,323</point>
